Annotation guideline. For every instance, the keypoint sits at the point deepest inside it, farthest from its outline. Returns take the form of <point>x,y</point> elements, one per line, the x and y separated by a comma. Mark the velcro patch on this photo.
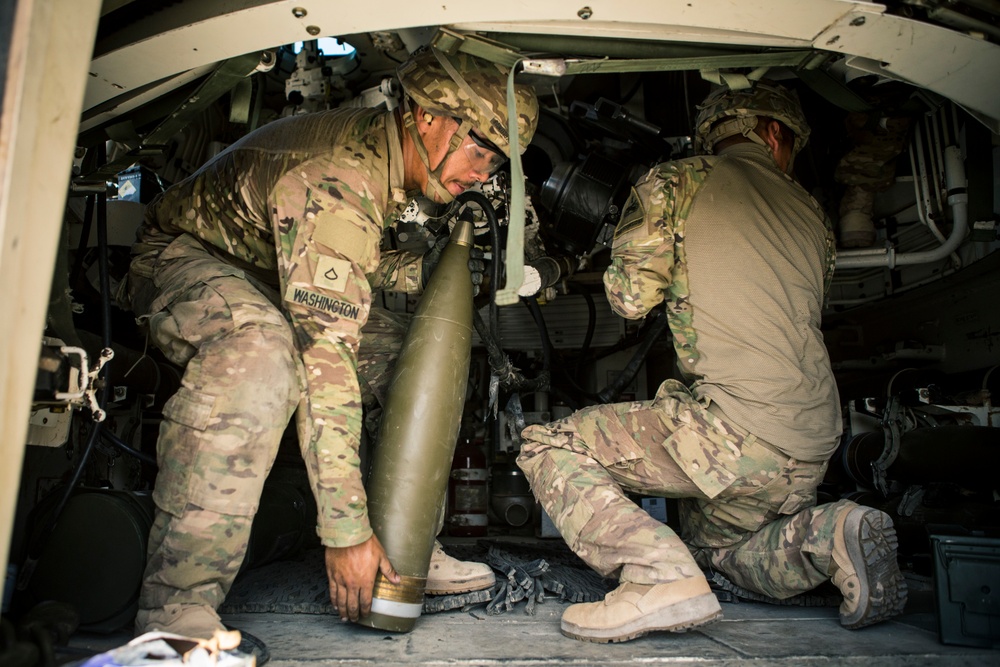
<point>318,301</point>
<point>632,216</point>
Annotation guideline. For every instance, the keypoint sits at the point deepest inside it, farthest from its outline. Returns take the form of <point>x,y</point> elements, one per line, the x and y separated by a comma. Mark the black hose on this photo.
<point>543,331</point>
<point>548,354</point>
<point>655,327</point>
<point>117,442</point>
<point>494,226</point>
<point>510,377</point>
<point>81,248</point>
<point>591,328</point>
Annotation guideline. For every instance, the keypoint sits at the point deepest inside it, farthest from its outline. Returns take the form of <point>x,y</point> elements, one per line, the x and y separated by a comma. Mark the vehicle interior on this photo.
<point>106,104</point>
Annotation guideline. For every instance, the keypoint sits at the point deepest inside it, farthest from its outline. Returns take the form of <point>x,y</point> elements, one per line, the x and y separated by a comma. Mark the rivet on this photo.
<point>299,12</point>
<point>585,13</point>
<point>313,30</point>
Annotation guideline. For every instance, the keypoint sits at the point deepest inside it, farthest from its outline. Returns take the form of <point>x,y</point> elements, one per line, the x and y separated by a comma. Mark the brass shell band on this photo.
<point>409,590</point>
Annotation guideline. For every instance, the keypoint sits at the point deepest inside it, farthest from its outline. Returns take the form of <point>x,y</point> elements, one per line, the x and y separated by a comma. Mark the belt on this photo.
<point>717,412</point>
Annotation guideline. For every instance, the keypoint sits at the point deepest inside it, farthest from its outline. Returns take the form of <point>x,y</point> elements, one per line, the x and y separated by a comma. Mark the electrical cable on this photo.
<point>588,338</point>
<point>118,443</point>
<point>655,326</point>
<point>81,249</point>
<point>548,353</point>
<point>471,196</point>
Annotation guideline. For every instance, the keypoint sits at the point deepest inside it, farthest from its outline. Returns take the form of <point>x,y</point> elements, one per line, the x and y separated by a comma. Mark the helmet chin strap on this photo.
<point>745,126</point>
<point>434,184</point>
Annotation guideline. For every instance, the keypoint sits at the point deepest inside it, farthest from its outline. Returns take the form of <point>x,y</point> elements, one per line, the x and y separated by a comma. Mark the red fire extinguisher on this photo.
<point>467,496</point>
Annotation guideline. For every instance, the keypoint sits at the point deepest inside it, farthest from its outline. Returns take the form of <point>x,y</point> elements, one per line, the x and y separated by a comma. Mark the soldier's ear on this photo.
<point>772,134</point>
<point>422,114</point>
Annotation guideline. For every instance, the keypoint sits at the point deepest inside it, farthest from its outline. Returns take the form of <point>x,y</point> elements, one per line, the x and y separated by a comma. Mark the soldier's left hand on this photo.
<point>351,572</point>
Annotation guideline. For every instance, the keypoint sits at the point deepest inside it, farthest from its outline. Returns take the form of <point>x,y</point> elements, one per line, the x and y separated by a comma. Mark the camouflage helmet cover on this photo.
<point>425,79</point>
<point>764,99</point>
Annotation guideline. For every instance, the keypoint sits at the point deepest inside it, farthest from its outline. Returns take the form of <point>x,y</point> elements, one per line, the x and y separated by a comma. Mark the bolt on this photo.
<point>858,21</point>
<point>299,12</point>
<point>585,13</point>
<point>313,30</point>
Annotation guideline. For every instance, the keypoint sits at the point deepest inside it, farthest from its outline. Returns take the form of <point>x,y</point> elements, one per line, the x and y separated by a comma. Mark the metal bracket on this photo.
<point>84,385</point>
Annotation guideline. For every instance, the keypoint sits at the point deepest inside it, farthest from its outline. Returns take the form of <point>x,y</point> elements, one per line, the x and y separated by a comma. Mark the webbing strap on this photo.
<point>514,259</point>
<point>433,176</point>
<point>463,84</point>
<point>734,80</point>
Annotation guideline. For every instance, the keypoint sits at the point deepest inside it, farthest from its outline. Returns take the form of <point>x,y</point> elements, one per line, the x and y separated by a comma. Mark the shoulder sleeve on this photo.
<point>646,240</point>
<point>328,217</point>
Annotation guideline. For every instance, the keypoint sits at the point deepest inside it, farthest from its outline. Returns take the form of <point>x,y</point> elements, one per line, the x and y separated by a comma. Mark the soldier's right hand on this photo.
<point>351,572</point>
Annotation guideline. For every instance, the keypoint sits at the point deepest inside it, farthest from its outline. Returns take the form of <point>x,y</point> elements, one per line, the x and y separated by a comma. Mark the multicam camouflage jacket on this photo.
<point>742,256</point>
<point>649,264</point>
<point>301,204</point>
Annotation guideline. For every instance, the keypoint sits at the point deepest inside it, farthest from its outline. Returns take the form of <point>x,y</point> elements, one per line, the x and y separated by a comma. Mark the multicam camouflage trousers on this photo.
<point>221,431</point>
<point>746,509</point>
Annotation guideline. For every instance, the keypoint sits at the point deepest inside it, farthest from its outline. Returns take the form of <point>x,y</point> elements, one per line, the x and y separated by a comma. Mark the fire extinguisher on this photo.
<point>467,496</point>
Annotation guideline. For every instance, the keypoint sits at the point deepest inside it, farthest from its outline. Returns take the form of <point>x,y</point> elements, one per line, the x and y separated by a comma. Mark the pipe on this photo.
<point>420,425</point>
<point>958,199</point>
<point>493,224</point>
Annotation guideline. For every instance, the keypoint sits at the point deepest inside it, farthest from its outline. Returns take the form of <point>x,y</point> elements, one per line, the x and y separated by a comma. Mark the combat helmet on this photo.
<point>472,90</point>
<point>725,113</point>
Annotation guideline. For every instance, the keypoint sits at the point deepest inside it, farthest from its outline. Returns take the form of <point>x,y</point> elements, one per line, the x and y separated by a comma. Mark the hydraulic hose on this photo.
<point>655,328</point>
<point>118,443</point>
<point>471,196</point>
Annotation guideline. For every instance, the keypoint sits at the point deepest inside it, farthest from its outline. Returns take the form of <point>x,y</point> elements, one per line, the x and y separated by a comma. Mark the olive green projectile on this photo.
<point>420,424</point>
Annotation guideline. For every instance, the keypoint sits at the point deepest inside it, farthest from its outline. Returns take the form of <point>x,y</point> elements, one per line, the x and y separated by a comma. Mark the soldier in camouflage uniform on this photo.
<point>741,255</point>
<point>256,274</point>
<point>877,138</point>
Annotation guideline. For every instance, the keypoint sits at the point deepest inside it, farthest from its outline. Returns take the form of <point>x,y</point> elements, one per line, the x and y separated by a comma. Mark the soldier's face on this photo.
<point>459,173</point>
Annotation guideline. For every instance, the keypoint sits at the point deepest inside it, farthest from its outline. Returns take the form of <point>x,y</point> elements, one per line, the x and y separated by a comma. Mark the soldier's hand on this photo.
<point>433,256</point>
<point>351,572</point>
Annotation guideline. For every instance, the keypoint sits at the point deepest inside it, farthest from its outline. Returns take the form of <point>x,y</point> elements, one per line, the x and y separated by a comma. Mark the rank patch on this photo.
<point>332,273</point>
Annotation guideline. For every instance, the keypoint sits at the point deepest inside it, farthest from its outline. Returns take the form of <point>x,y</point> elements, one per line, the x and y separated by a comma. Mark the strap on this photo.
<point>397,188</point>
<point>514,256</point>
<point>464,85</point>
<point>433,176</point>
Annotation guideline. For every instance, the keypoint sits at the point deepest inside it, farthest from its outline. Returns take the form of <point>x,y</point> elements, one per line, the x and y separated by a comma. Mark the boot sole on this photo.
<point>679,617</point>
<point>453,588</point>
<point>871,545</point>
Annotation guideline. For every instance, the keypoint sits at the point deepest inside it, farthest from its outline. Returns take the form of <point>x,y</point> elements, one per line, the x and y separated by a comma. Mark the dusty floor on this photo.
<point>764,634</point>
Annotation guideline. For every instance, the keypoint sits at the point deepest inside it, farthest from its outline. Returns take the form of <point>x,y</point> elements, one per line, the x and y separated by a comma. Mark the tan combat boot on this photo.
<point>188,620</point>
<point>865,568</point>
<point>632,610</point>
<point>200,622</point>
<point>448,576</point>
